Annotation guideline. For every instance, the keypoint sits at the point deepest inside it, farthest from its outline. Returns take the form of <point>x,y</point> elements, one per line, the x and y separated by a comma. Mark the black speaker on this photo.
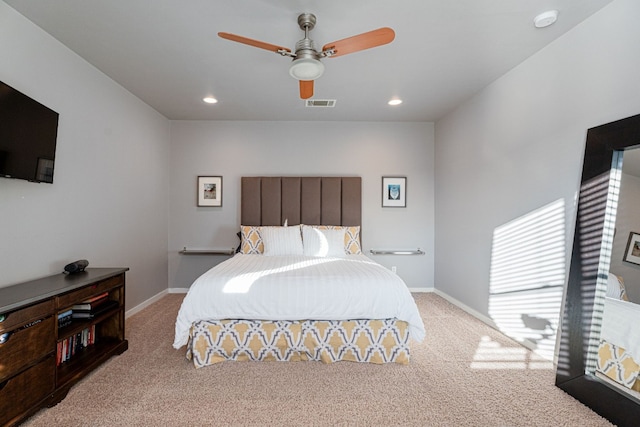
<point>76,266</point>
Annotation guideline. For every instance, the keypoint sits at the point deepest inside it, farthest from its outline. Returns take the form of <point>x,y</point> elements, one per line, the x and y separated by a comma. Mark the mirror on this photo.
<point>584,301</point>
<point>625,260</point>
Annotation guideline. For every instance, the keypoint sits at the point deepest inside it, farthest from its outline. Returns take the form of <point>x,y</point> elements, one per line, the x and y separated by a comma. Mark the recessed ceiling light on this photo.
<point>395,101</point>
<point>545,18</point>
<point>210,100</point>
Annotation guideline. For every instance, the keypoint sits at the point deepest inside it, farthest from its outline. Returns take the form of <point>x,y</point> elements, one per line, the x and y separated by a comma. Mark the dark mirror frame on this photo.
<point>602,142</point>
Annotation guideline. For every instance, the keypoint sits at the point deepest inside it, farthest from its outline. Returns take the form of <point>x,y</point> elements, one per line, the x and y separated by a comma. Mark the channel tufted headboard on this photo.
<point>301,200</point>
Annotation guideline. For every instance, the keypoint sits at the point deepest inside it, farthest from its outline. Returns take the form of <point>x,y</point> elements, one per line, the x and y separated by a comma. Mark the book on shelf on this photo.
<point>68,347</point>
<point>64,318</point>
<point>92,302</point>
<point>91,313</point>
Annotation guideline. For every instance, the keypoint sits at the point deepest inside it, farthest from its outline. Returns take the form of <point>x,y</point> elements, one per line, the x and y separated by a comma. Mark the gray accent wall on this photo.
<point>516,148</point>
<point>235,149</point>
<point>108,203</point>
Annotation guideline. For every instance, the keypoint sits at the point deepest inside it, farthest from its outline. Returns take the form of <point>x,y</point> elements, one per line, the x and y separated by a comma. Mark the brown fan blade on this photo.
<point>255,43</point>
<point>360,42</point>
<point>306,89</point>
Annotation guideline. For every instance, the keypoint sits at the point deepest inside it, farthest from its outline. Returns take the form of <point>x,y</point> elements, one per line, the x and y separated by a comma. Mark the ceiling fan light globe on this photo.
<point>306,69</point>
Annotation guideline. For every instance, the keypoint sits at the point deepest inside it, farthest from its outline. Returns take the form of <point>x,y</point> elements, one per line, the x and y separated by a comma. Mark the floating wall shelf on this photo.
<point>186,251</point>
<point>397,251</point>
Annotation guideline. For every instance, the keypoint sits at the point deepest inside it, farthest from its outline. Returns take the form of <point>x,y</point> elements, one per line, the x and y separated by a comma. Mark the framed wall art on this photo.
<point>394,192</point>
<point>209,191</point>
<point>632,253</point>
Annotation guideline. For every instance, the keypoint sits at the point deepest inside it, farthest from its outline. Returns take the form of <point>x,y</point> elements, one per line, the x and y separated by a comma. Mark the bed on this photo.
<point>619,350</point>
<point>299,287</point>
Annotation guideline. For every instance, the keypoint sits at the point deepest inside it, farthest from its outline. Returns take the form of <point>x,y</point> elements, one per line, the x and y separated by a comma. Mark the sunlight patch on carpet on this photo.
<point>491,354</point>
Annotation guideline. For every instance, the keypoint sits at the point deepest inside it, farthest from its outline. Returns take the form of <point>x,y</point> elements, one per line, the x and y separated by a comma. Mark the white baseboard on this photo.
<point>468,309</point>
<point>178,290</point>
<point>421,290</point>
<point>144,304</point>
<point>526,343</point>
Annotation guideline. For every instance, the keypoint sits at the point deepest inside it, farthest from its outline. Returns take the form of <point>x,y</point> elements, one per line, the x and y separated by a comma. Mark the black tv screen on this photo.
<point>28,133</point>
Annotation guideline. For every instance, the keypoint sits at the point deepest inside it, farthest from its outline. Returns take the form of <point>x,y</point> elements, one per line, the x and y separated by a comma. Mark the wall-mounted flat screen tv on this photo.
<point>28,133</point>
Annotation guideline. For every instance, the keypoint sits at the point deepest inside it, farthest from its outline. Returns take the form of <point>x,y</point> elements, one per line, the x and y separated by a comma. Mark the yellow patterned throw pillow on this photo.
<point>251,240</point>
<point>352,240</point>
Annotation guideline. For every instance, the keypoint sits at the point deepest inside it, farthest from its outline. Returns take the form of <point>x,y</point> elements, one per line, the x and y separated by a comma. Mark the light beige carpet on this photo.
<point>463,374</point>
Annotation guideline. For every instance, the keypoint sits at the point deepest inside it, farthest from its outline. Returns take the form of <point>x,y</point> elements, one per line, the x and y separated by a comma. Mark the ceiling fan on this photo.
<point>306,65</point>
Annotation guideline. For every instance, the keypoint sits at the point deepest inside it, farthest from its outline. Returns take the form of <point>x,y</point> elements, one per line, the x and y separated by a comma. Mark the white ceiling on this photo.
<point>167,52</point>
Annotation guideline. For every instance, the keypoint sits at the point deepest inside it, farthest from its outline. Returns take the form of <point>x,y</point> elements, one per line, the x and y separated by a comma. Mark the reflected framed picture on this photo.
<point>394,191</point>
<point>44,172</point>
<point>632,253</point>
<point>209,191</point>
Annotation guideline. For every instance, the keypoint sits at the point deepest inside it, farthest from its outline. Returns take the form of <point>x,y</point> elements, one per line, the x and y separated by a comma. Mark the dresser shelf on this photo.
<point>89,357</point>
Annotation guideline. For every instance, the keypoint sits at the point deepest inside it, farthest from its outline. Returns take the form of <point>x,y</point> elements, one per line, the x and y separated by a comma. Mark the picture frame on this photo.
<point>394,191</point>
<point>632,253</point>
<point>209,191</point>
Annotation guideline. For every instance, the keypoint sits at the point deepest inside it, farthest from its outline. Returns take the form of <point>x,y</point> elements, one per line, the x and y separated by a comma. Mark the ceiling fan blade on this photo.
<point>362,41</point>
<point>255,43</point>
<point>306,89</point>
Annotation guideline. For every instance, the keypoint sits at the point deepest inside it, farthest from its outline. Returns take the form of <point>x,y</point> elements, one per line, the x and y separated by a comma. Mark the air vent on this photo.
<point>321,103</point>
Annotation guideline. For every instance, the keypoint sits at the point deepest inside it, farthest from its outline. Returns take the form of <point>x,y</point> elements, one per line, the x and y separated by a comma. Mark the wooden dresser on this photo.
<point>43,353</point>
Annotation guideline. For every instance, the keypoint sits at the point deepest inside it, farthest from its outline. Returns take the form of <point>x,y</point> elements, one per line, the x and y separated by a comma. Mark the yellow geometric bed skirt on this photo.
<point>369,341</point>
<point>618,365</point>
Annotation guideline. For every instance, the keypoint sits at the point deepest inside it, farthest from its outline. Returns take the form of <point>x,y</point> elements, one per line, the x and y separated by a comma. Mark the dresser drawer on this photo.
<point>23,316</point>
<point>74,297</point>
<point>24,391</point>
<point>24,346</point>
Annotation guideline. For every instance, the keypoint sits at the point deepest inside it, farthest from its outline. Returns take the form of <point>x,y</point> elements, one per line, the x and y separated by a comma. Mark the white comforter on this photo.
<point>620,325</point>
<point>258,287</point>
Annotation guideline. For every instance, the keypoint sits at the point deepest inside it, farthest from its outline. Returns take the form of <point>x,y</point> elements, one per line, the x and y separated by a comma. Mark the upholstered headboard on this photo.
<point>301,200</point>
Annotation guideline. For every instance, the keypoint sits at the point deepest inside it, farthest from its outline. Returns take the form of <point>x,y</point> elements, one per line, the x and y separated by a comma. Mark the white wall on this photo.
<point>518,146</point>
<point>236,149</point>
<point>108,202</point>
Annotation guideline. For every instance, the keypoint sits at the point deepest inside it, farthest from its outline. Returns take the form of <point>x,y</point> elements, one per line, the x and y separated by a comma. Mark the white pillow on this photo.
<point>323,242</point>
<point>615,287</point>
<point>281,240</point>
